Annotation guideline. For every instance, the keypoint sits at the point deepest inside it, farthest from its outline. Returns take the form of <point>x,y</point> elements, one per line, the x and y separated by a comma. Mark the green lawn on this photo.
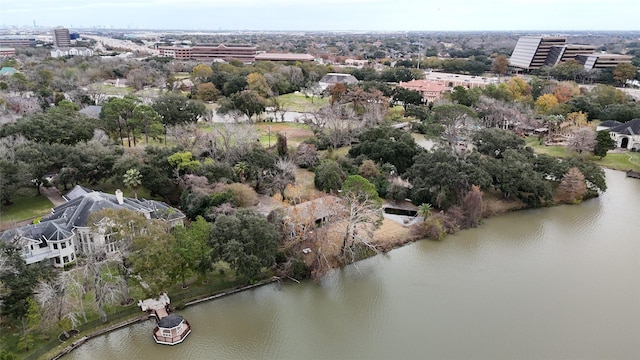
<point>295,132</point>
<point>618,161</point>
<point>300,103</point>
<point>112,90</point>
<point>551,150</point>
<point>26,205</point>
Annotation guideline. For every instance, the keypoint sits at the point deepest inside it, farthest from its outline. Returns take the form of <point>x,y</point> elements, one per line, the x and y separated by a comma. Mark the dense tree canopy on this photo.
<point>329,176</point>
<point>604,143</point>
<point>441,178</point>
<point>387,145</point>
<point>245,240</point>
<point>493,141</point>
<point>176,109</point>
<point>62,125</point>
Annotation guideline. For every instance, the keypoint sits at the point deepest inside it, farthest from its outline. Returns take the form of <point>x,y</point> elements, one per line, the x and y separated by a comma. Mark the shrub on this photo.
<point>245,196</point>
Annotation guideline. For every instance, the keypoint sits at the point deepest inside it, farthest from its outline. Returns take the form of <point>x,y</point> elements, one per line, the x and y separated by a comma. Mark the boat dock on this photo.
<point>171,329</point>
<point>633,174</point>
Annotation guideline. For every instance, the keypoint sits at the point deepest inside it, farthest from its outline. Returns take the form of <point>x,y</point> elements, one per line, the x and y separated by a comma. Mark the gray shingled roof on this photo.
<point>76,192</point>
<point>610,123</point>
<point>75,213</point>
<point>631,127</point>
<point>170,321</point>
<point>43,231</point>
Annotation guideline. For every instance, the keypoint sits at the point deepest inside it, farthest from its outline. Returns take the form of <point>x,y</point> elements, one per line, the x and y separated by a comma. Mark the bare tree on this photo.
<point>502,114</point>
<point>337,122</point>
<point>373,113</point>
<point>456,120</point>
<point>582,140</point>
<point>99,277</point>
<point>306,156</point>
<point>231,141</point>
<point>56,302</point>
<point>14,107</point>
<point>188,136</point>
<point>284,175</point>
<point>363,217</point>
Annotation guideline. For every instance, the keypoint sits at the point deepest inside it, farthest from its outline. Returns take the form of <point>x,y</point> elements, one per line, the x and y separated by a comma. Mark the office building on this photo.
<point>61,37</point>
<point>602,61</point>
<point>531,52</point>
<point>534,52</point>
<point>7,52</point>
<point>563,53</point>
<point>211,52</point>
<point>15,41</point>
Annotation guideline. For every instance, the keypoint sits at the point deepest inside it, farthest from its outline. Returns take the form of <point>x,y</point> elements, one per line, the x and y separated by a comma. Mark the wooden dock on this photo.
<point>633,174</point>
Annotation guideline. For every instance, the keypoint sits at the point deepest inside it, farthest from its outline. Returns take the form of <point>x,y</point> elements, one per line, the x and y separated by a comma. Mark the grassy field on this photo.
<point>300,103</point>
<point>295,132</point>
<point>551,150</point>
<point>620,161</point>
<point>614,160</point>
<point>26,205</point>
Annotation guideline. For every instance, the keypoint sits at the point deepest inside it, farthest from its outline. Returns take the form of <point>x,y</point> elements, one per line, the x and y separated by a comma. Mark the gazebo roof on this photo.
<point>170,321</point>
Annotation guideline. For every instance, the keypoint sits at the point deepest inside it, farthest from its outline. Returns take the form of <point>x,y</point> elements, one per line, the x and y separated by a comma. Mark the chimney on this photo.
<point>119,196</point>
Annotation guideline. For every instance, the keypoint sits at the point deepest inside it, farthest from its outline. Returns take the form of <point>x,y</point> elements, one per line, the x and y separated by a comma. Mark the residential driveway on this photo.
<point>53,194</point>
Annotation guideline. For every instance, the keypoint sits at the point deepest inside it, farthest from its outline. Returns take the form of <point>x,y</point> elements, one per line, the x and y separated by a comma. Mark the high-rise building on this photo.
<point>563,53</point>
<point>61,37</point>
<point>531,52</point>
<point>602,61</point>
<point>534,52</point>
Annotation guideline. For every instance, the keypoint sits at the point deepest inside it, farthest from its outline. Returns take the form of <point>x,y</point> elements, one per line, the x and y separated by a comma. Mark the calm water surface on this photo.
<point>557,283</point>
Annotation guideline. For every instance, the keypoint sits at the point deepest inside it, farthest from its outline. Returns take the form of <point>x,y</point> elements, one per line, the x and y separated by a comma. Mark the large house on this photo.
<point>626,135</point>
<point>66,232</point>
<point>430,90</point>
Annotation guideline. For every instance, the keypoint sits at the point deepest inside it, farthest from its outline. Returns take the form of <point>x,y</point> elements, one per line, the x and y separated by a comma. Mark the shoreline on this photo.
<point>390,245</point>
<point>141,318</point>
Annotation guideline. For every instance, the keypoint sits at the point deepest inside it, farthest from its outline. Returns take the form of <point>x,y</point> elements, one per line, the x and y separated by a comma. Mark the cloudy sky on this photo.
<point>415,15</point>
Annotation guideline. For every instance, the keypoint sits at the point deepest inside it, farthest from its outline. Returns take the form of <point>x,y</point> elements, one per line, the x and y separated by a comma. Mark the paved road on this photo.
<point>53,194</point>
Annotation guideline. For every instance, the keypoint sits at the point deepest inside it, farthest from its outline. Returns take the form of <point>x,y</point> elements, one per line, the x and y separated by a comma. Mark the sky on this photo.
<point>318,15</point>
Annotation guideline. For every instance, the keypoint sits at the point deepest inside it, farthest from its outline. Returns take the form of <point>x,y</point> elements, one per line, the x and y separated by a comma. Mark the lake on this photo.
<point>553,283</point>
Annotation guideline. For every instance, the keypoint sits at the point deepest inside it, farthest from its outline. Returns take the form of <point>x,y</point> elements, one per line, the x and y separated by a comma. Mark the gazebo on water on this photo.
<point>171,328</point>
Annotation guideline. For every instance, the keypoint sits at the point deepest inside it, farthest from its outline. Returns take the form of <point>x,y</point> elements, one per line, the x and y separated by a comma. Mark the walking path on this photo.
<point>53,194</point>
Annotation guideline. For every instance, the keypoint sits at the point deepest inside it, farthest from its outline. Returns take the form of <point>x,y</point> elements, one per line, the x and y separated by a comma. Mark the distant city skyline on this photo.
<point>332,15</point>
